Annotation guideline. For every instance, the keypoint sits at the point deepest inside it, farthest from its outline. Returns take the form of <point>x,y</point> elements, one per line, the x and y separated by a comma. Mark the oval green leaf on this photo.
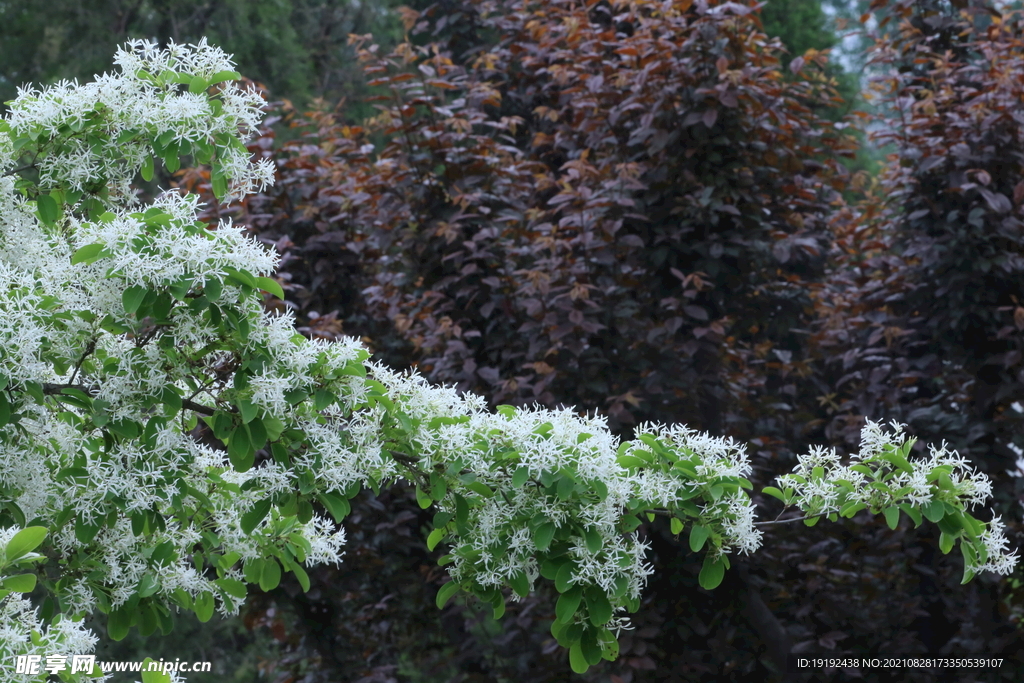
<point>270,578</point>
<point>22,583</point>
<point>698,535</point>
<point>712,573</point>
<point>252,518</point>
<point>24,542</point>
<point>445,594</point>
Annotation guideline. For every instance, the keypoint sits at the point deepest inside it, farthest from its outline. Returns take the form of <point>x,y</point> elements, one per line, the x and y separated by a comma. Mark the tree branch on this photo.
<point>793,519</point>
<point>15,171</point>
<point>51,389</point>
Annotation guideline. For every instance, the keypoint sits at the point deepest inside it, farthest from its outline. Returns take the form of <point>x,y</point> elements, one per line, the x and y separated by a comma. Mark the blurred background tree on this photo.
<point>296,48</point>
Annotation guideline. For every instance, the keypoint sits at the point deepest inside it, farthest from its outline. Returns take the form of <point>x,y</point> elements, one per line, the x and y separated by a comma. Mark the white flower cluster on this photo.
<point>716,458</point>
<point>818,490</point>
<point>582,446</point>
<point>132,108</point>
<point>19,620</point>
<point>996,545</point>
<point>817,474</point>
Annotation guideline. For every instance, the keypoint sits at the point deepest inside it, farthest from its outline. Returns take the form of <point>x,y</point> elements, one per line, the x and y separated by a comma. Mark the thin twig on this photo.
<point>411,463</point>
<point>793,519</point>
<point>78,366</point>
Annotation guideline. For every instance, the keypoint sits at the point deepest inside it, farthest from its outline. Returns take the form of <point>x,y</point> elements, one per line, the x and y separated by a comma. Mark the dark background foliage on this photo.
<point>659,212</point>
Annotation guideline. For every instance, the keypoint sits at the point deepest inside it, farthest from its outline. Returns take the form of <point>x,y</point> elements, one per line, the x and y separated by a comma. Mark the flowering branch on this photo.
<point>127,497</point>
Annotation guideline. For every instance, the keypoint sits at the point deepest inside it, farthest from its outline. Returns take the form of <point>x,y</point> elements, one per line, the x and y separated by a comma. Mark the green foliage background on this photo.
<point>296,48</point>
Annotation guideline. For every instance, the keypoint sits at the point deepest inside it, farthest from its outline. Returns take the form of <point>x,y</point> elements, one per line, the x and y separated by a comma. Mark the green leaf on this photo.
<point>147,619</point>
<point>118,623</point>
<point>599,608</point>
<point>171,399</point>
<point>302,577</point>
<point>591,648</point>
<point>233,587</point>
<point>577,660</point>
<point>543,535</point>
<point>593,540</point>
<point>971,526</point>
<point>445,594</point>
<point>172,158</point>
<point>563,579</point>
<point>203,606</point>
<point>851,508</point>
<point>197,85</point>
<point>774,493</point>
<point>676,525</point>
<point>434,538</point>
<point>521,475</point>
<point>124,428</point>
<point>87,254</point>
<point>970,556</point>
<point>158,676</point>
<point>5,409</point>
<point>253,569</point>
<point>568,603</point>
<point>147,168</point>
<point>481,488</point>
<point>438,487</point>
<point>132,298</point>
<point>222,76</point>
<point>323,398</point>
<point>698,535</point>
<point>892,516</point>
<point>22,583</point>
<point>252,518</point>
<point>422,499</point>
<point>147,585</point>
<point>213,288</point>
<point>240,452</point>
<point>49,211</point>
<point>911,512</point>
<point>565,487</point>
<point>247,409</point>
<point>338,506</point>
<point>270,578</point>
<point>898,460</point>
<point>934,511</point>
<point>270,285</point>
<point>220,185</point>
<point>631,462</point>
<point>24,542</point>
<point>520,584</point>
<point>951,524</point>
<point>946,542</point>
<point>712,573</point>
<point>84,531</point>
